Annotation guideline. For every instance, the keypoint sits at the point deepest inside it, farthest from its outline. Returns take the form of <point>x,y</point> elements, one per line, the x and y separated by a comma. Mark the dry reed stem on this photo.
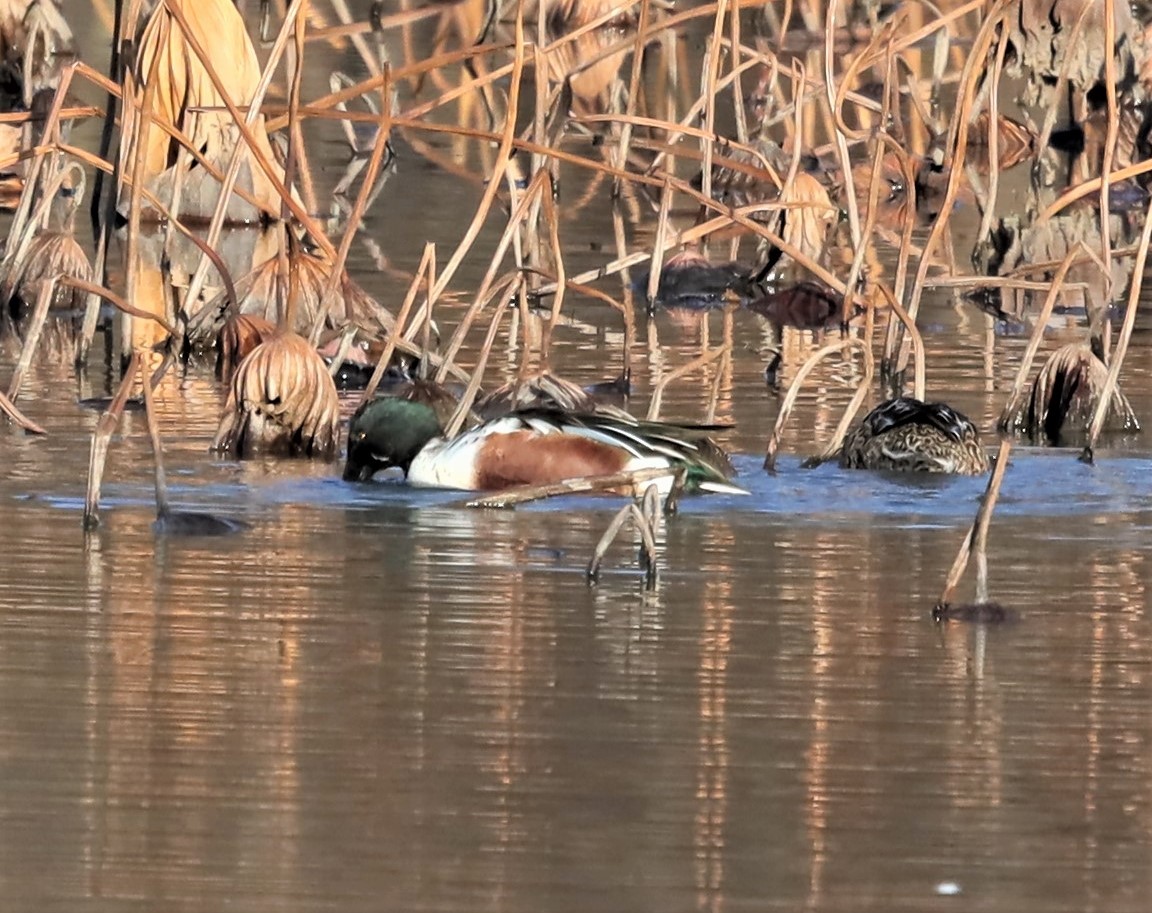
<point>832,450</point>
<point>710,71</point>
<point>1125,335</point>
<point>19,226</point>
<point>694,365</point>
<point>993,139</point>
<point>1111,136</point>
<point>101,437</point>
<point>18,417</point>
<point>979,529</point>
<point>659,244</point>
<point>633,90</point>
<point>958,143</point>
<point>641,524</point>
<point>844,345</point>
<point>516,281</point>
<point>510,230</point>
<point>512,497</point>
<point>116,301</point>
<point>838,135</point>
<point>354,221</point>
<point>427,260</point>
<point>35,326</point>
<point>918,355</point>
<point>1054,290</point>
<point>503,154</point>
<point>552,220</point>
<point>162,506</point>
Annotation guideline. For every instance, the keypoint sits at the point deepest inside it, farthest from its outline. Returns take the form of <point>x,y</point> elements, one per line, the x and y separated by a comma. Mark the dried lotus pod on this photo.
<point>259,294</point>
<point>1064,398</point>
<point>51,255</point>
<point>281,401</point>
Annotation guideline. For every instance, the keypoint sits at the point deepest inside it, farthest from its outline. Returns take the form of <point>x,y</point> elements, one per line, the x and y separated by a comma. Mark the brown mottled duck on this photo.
<point>907,435</point>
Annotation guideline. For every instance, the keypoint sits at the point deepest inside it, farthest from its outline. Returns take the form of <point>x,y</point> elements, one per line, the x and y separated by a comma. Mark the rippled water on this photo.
<point>376,699</point>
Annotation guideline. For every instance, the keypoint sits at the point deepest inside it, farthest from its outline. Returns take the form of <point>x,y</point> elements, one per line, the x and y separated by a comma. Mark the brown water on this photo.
<point>375,699</point>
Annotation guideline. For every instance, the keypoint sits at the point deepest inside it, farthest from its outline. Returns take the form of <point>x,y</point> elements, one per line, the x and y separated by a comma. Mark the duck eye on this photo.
<point>361,435</point>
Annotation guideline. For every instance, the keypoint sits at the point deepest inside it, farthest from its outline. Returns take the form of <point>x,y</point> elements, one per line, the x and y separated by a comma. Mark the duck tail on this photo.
<point>723,488</point>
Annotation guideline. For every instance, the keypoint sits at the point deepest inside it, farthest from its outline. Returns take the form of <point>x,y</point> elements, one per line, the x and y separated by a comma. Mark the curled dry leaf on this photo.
<point>240,334</point>
<point>1015,141</point>
<point>186,98</point>
<point>810,215</point>
<point>282,401</point>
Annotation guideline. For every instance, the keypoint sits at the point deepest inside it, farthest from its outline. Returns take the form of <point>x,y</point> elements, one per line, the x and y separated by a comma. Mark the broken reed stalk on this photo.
<point>832,450</point>
<point>993,144</point>
<point>839,140</point>
<point>958,143</point>
<point>1111,136</point>
<point>1121,349</point>
<point>504,153</point>
<point>645,523</point>
<point>354,219</point>
<point>523,207</point>
<point>162,507</point>
<point>427,262</point>
<point>98,455</point>
<point>513,497</point>
<point>1054,290</point>
<point>710,72</point>
<point>919,357</point>
<point>513,285</point>
<point>844,345</point>
<point>552,220</point>
<point>51,128</point>
<point>659,244</point>
<point>35,327</point>
<point>18,417</point>
<point>634,85</point>
<point>695,364</point>
<point>978,534</point>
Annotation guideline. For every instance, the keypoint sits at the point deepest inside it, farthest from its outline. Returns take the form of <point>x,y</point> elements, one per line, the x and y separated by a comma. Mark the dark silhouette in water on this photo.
<point>691,280</point>
<point>805,306</point>
<point>177,522</point>
<point>974,613</point>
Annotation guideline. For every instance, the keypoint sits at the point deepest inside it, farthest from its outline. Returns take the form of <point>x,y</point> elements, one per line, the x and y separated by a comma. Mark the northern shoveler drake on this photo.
<point>907,435</point>
<point>1064,399</point>
<point>528,447</point>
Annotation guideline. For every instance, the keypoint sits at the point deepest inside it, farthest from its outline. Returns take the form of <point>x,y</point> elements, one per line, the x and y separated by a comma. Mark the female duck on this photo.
<point>528,447</point>
<point>907,435</point>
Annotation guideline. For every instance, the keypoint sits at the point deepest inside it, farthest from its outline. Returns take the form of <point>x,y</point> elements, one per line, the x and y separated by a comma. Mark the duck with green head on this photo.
<point>527,447</point>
